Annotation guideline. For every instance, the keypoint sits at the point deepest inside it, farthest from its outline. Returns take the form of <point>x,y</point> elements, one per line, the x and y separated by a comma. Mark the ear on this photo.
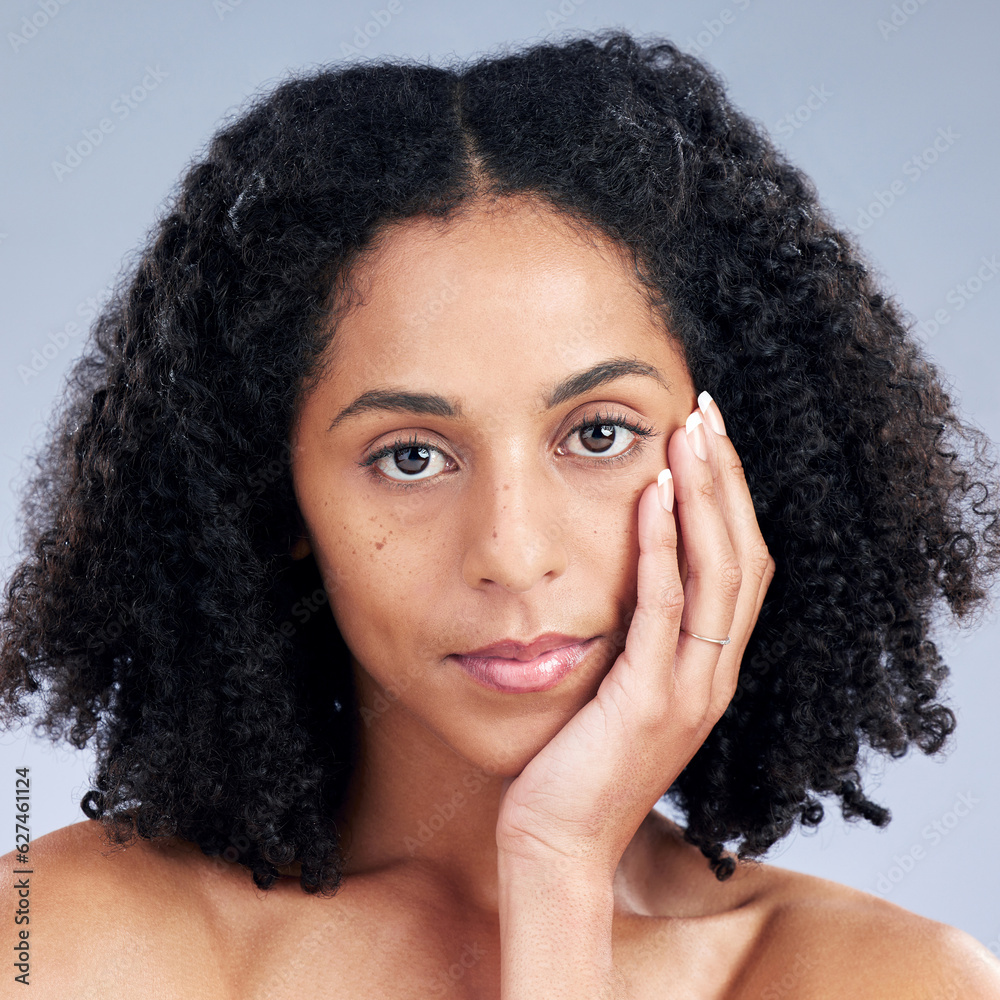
<point>301,547</point>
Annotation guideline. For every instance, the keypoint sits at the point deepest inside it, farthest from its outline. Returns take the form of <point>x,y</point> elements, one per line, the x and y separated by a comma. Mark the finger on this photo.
<point>748,543</point>
<point>727,676</point>
<point>643,669</point>
<point>734,495</point>
<point>765,582</point>
<point>727,680</point>
<point>714,576</point>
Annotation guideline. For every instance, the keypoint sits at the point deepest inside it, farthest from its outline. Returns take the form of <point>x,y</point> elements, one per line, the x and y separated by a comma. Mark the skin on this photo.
<point>517,530</point>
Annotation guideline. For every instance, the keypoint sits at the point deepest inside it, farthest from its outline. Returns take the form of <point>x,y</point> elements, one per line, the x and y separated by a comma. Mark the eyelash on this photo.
<point>600,419</point>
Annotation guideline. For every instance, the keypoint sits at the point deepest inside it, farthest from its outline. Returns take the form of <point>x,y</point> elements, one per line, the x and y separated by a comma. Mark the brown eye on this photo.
<point>609,437</point>
<point>603,439</point>
<point>402,462</point>
<point>411,460</point>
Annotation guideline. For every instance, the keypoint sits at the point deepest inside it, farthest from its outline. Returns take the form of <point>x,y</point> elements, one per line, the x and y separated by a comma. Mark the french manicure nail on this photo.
<point>712,413</point>
<point>695,428</point>
<point>665,489</point>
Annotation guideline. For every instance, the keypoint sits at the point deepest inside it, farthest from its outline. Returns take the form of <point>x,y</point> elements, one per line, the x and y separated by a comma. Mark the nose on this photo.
<point>515,526</point>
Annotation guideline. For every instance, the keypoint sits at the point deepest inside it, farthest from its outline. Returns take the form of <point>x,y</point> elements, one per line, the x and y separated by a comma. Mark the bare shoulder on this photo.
<point>824,939</point>
<point>775,934</point>
<point>101,917</point>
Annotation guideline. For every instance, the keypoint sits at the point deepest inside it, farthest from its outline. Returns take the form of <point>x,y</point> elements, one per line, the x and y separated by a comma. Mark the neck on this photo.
<point>414,805</point>
<point>417,808</point>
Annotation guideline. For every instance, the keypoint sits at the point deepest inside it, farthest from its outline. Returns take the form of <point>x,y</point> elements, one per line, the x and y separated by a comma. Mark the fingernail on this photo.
<point>665,489</point>
<point>712,413</point>
<point>696,435</point>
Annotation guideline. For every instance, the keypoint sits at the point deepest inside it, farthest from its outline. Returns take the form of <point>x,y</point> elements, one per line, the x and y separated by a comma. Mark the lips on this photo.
<point>512,649</point>
<point>511,675</point>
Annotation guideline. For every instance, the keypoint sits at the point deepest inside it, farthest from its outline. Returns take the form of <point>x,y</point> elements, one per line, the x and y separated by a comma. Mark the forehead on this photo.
<point>512,291</point>
<point>519,247</point>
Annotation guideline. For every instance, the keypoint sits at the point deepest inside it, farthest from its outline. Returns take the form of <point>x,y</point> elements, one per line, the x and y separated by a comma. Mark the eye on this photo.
<point>602,435</point>
<point>603,440</point>
<point>411,457</point>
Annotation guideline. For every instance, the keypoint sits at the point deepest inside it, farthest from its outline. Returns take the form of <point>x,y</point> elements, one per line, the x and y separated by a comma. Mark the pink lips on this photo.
<point>504,666</point>
<point>511,649</point>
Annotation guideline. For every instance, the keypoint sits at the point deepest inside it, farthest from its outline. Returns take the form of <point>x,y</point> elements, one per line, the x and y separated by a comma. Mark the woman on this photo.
<point>393,549</point>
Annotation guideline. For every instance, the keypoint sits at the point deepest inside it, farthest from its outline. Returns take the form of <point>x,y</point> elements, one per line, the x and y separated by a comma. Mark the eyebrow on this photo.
<point>401,400</point>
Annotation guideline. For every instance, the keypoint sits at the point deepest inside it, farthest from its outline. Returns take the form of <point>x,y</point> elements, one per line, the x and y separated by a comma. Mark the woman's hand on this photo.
<point>581,799</point>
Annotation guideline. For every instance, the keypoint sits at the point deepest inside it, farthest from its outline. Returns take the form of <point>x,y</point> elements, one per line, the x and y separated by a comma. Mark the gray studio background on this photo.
<point>890,107</point>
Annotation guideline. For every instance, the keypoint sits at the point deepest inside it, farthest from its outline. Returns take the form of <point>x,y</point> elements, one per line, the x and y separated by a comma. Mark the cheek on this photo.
<point>378,584</point>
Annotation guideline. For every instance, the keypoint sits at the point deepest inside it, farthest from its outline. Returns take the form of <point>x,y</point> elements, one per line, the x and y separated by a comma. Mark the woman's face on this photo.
<point>501,521</point>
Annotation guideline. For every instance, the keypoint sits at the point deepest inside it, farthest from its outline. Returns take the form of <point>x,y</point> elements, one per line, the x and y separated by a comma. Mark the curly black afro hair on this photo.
<point>156,608</point>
